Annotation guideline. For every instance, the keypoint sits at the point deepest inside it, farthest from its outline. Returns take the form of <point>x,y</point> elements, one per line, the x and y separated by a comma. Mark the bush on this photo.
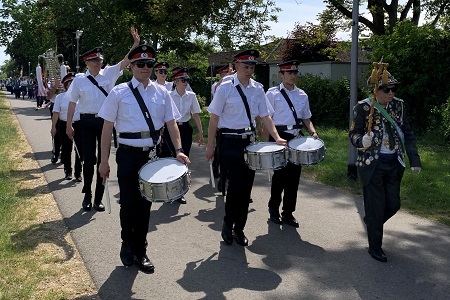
<point>445,125</point>
<point>329,100</point>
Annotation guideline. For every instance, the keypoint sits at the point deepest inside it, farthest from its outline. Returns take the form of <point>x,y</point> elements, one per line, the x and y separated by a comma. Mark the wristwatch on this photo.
<point>179,150</point>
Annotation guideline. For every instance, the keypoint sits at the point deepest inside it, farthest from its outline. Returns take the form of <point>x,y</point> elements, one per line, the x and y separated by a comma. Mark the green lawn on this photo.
<point>426,194</point>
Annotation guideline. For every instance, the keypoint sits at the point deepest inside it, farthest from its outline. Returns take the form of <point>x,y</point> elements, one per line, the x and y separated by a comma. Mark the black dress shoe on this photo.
<point>68,176</point>
<point>54,159</point>
<point>145,264</point>
<point>378,254</point>
<point>290,221</point>
<point>240,238</point>
<point>87,203</point>
<point>126,255</point>
<point>227,234</point>
<point>99,206</point>
<point>275,216</point>
<point>78,178</point>
<point>250,201</point>
<point>181,200</point>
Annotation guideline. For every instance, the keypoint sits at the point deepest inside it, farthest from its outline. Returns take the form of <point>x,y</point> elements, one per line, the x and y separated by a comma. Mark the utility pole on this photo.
<point>77,36</point>
<point>351,167</point>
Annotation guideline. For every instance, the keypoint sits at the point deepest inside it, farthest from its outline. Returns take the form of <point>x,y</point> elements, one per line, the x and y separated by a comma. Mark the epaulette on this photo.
<point>362,101</point>
<point>277,87</point>
<point>398,99</point>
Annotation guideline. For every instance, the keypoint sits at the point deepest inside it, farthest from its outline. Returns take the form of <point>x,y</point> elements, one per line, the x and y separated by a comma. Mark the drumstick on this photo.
<point>106,195</point>
<point>268,174</point>
<point>78,153</point>
<point>213,183</point>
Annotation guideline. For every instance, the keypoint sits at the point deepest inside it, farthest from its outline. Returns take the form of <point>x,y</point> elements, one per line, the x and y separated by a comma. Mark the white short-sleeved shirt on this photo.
<point>167,85</point>
<point>122,108</point>
<point>89,96</point>
<point>229,106</point>
<point>186,104</point>
<point>62,105</point>
<point>282,113</point>
<point>224,79</point>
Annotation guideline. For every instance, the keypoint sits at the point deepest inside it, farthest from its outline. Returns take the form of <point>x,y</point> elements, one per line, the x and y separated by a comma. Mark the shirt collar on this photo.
<point>236,81</point>
<point>135,82</point>
<point>282,87</point>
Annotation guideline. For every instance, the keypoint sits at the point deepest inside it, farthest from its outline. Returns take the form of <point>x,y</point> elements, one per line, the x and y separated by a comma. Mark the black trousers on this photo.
<point>134,209</point>
<point>186,131</point>
<point>56,139</point>
<point>381,199</point>
<point>240,181</point>
<point>39,101</point>
<point>285,180</point>
<point>67,146</point>
<point>91,131</point>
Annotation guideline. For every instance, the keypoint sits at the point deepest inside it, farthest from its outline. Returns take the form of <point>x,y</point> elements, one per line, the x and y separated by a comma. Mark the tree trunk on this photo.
<point>376,9</point>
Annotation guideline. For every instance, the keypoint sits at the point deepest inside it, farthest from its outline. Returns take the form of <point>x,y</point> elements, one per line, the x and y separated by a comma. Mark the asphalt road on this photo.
<point>326,258</point>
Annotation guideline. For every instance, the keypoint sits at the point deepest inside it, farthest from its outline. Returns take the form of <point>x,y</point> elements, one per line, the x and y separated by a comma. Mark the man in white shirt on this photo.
<point>136,141</point>
<point>288,122</point>
<point>235,106</point>
<point>89,90</point>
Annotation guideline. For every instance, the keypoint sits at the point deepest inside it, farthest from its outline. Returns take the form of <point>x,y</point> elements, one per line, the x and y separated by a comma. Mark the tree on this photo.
<point>309,43</point>
<point>423,73</point>
<point>166,24</point>
<point>385,16</point>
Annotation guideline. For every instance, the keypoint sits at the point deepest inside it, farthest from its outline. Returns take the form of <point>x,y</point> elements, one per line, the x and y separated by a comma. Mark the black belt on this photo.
<point>384,157</point>
<point>238,131</point>
<point>182,123</point>
<point>236,136</point>
<point>89,116</point>
<point>135,135</point>
<point>132,148</point>
<point>286,127</point>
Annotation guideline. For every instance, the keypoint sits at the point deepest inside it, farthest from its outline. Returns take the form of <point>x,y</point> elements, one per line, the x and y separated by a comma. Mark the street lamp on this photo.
<point>29,69</point>
<point>77,36</point>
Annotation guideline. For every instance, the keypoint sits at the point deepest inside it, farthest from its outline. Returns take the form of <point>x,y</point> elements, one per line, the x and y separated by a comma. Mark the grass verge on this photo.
<point>38,259</point>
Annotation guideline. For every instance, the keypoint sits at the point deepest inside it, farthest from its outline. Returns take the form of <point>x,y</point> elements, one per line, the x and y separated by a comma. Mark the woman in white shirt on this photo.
<point>59,123</point>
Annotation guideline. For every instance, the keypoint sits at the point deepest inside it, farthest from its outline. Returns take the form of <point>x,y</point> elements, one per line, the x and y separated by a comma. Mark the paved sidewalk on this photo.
<point>326,258</point>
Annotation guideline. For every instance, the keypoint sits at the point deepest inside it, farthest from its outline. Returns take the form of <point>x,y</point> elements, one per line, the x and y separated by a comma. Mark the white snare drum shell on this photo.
<point>164,180</point>
<point>306,151</point>
<point>265,156</point>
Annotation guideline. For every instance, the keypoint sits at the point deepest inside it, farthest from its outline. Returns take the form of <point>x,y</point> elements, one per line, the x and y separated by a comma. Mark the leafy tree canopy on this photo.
<point>384,15</point>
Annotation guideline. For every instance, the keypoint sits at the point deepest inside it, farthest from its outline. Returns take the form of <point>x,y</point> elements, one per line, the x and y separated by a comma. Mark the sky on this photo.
<point>293,11</point>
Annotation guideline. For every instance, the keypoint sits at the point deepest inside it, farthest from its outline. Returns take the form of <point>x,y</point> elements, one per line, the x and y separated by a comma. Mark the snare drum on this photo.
<point>306,151</point>
<point>265,156</point>
<point>164,180</point>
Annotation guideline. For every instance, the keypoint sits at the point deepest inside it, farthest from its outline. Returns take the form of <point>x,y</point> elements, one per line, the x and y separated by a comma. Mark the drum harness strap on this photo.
<point>153,133</point>
<point>291,106</point>
<point>247,110</point>
<point>94,82</point>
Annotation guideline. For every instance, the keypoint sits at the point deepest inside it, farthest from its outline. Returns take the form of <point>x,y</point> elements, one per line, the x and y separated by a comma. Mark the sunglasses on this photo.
<point>162,71</point>
<point>183,80</point>
<point>140,65</point>
<point>386,89</point>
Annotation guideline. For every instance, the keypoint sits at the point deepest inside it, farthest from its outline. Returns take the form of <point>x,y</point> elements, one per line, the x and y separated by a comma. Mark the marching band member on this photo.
<point>122,109</point>
<point>380,160</point>
<point>161,70</point>
<point>59,124</point>
<point>233,110</point>
<point>187,104</point>
<point>290,107</point>
<point>89,90</point>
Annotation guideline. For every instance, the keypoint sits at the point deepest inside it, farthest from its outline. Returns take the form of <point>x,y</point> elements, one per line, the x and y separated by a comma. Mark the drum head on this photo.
<point>305,143</point>
<point>264,147</point>
<point>162,170</point>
